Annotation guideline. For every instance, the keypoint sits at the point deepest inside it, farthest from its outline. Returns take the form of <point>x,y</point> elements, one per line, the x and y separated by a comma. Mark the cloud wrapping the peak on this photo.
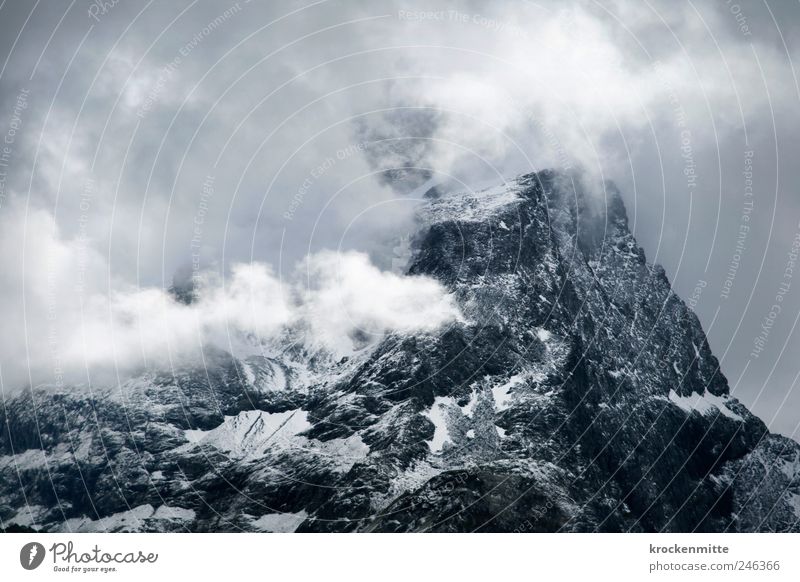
<point>75,321</point>
<point>321,124</point>
<point>347,292</point>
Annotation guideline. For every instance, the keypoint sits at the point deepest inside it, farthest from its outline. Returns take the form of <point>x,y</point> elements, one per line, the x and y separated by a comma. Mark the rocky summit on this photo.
<point>576,393</point>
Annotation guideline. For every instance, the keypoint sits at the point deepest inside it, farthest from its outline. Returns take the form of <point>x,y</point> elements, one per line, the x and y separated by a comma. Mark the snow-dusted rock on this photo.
<point>578,393</point>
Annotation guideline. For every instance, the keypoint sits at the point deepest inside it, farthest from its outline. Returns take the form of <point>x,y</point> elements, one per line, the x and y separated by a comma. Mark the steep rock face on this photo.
<point>578,393</point>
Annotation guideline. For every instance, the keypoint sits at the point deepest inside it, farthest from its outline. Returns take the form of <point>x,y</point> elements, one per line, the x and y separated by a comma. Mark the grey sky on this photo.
<point>288,113</point>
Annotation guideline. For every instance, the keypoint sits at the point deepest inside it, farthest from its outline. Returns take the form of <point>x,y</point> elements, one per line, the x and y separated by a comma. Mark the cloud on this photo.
<point>580,87</point>
<point>480,91</point>
<point>66,320</point>
<point>347,295</point>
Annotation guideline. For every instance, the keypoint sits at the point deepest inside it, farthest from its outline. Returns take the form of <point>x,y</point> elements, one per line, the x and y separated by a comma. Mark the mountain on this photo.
<point>577,393</point>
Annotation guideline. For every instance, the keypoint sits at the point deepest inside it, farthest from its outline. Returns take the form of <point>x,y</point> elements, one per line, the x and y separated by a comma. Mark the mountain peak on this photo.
<point>577,388</point>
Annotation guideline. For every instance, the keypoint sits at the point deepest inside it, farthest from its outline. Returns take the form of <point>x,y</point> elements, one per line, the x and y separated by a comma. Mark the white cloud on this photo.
<point>65,317</point>
<point>522,85</point>
<point>347,293</point>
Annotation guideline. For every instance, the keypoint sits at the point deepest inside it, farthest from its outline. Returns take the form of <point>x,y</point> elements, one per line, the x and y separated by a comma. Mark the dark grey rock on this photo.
<point>579,394</point>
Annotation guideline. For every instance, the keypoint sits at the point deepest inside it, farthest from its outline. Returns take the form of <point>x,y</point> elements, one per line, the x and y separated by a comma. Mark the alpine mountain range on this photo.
<point>578,393</point>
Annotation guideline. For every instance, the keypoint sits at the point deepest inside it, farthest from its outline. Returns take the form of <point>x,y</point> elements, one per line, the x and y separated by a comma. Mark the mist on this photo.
<point>334,302</point>
<point>250,142</point>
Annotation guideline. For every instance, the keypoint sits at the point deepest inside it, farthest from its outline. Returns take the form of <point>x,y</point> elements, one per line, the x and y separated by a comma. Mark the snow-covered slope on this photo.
<point>578,393</point>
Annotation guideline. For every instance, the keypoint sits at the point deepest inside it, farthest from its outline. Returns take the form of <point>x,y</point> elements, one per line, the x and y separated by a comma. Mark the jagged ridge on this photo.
<point>578,394</point>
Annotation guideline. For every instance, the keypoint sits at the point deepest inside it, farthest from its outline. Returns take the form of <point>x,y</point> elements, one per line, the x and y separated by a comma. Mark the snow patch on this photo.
<point>279,522</point>
<point>473,206</point>
<point>30,516</point>
<point>704,404</point>
<point>127,521</point>
<point>130,520</point>
<point>502,393</point>
<point>174,513</point>
<point>438,416</point>
<point>62,453</point>
<point>264,374</point>
<point>344,453</point>
<point>251,431</point>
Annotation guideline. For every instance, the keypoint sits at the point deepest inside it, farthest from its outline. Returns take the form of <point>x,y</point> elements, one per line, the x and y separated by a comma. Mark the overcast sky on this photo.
<point>148,139</point>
